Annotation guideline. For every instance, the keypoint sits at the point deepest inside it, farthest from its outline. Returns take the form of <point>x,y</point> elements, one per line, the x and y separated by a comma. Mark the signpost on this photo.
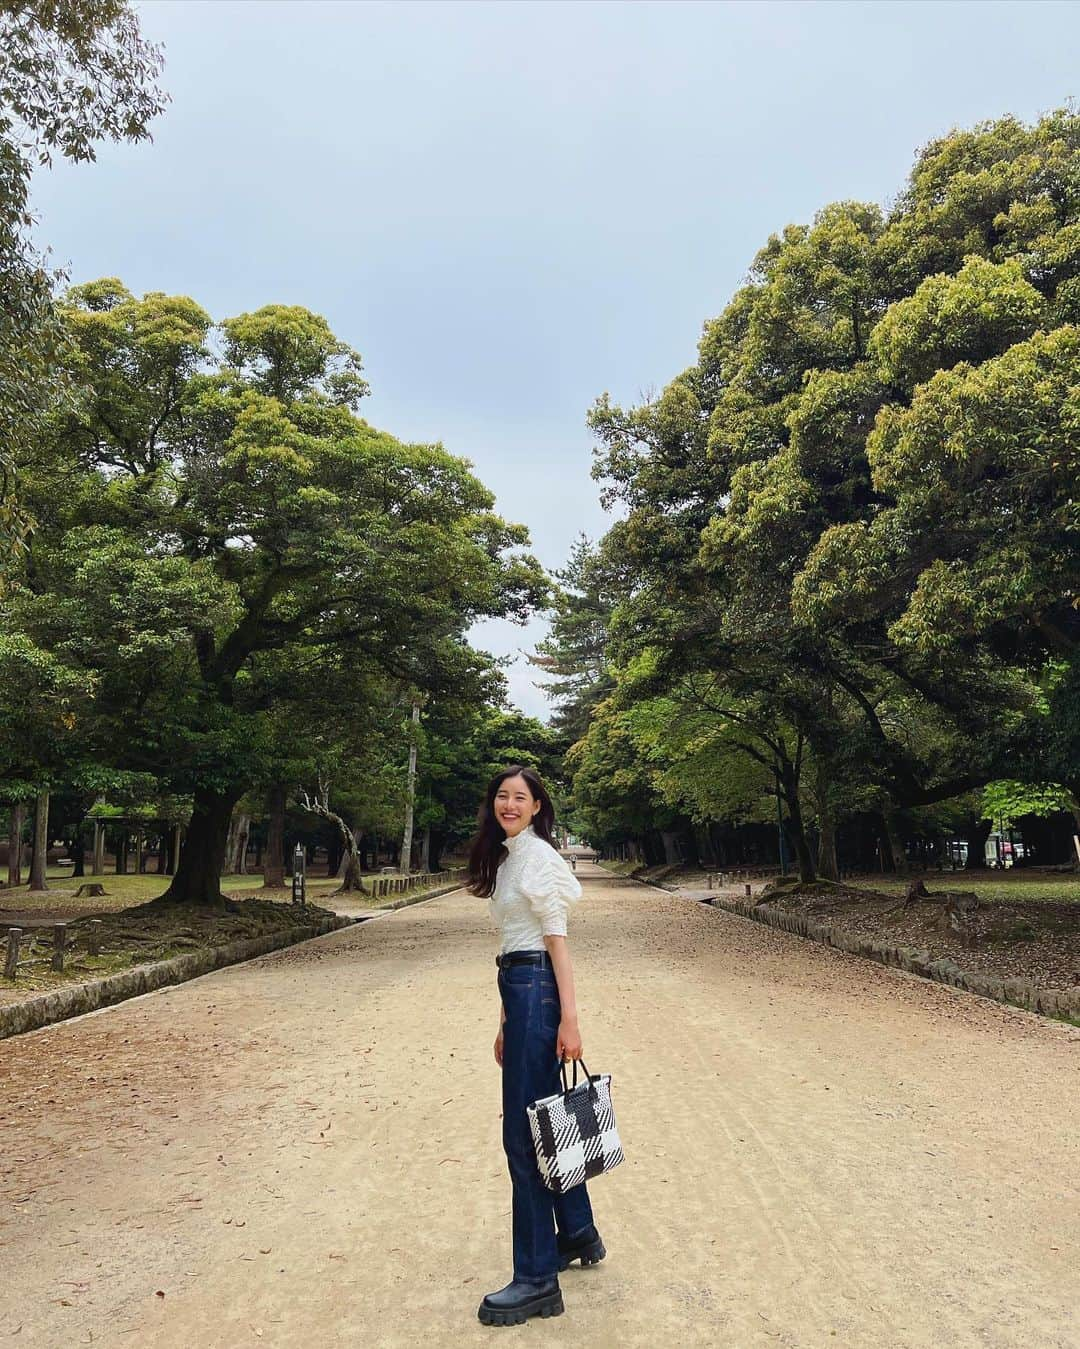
<point>299,879</point>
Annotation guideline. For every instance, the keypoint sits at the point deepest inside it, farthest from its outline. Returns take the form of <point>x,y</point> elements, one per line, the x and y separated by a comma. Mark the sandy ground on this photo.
<point>305,1150</point>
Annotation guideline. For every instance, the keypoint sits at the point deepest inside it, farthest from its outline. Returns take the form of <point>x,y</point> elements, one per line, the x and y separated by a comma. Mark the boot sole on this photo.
<point>551,1305</point>
<point>591,1255</point>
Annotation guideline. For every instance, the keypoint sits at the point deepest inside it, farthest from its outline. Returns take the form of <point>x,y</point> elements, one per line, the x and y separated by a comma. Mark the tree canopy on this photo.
<point>71,75</point>
<point>232,556</point>
<point>850,533</point>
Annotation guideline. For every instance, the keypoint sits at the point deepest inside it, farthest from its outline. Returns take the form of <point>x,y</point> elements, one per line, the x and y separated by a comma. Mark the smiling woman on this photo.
<point>515,863</point>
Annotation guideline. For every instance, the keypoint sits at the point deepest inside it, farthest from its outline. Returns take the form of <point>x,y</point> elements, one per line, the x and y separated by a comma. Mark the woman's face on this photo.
<point>515,804</point>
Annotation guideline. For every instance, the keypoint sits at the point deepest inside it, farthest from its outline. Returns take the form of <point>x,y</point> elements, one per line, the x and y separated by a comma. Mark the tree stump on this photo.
<point>916,890</point>
<point>11,963</point>
<point>94,889</point>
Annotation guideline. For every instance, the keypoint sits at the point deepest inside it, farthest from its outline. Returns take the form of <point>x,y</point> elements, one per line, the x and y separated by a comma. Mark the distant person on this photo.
<point>515,863</point>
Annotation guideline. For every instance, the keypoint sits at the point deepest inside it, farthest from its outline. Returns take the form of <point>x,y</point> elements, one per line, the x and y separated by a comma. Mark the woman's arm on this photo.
<point>569,1042</point>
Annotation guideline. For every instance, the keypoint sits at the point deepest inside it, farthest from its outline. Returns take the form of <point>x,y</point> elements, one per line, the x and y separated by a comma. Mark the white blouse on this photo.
<point>534,888</point>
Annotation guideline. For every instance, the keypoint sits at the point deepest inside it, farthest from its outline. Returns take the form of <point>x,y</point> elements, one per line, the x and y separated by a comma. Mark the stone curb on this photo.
<point>1062,1003</point>
<point>418,899</point>
<point>1018,992</point>
<point>77,999</point>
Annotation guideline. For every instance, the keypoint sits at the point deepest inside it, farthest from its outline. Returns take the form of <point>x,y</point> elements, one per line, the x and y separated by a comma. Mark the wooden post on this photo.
<point>59,943</point>
<point>93,937</point>
<point>12,961</point>
<point>748,892</point>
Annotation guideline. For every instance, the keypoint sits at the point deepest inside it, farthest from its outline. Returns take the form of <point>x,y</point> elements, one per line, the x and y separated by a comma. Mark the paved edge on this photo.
<point>1061,1004</point>
<point>78,999</point>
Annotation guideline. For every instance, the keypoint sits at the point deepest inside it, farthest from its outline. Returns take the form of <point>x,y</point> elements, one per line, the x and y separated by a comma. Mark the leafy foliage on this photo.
<point>242,570</point>
<point>71,74</point>
<point>851,528</point>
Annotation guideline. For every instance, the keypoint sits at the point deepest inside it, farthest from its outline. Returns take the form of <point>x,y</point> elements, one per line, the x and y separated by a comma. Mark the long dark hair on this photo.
<point>488,847</point>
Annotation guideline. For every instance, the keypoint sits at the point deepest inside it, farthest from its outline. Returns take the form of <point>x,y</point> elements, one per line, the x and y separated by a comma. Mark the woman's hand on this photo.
<point>499,1047</point>
<point>568,1045</point>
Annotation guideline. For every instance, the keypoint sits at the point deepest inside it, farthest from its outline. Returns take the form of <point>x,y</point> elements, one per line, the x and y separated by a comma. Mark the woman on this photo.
<point>514,861</point>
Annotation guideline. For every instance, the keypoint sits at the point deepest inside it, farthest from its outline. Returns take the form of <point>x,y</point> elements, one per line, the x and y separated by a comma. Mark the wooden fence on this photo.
<point>60,948</point>
<point>384,886</point>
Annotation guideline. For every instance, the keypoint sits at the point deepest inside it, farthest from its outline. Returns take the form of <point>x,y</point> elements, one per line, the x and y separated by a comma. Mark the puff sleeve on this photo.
<point>550,888</point>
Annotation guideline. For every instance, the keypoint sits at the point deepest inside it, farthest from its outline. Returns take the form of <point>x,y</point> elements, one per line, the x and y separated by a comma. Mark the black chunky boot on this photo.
<point>515,1303</point>
<point>586,1247</point>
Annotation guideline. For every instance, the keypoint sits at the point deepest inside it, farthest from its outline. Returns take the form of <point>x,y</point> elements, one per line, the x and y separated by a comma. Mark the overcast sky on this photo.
<point>509,208</point>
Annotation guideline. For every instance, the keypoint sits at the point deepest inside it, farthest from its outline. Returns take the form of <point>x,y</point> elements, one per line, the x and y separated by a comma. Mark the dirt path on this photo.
<point>304,1150</point>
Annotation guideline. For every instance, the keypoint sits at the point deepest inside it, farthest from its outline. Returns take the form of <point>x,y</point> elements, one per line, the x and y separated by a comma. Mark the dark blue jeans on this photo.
<point>530,1070</point>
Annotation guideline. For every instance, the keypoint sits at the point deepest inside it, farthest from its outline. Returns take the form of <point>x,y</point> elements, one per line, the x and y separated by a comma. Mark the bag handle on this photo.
<point>588,1076</point>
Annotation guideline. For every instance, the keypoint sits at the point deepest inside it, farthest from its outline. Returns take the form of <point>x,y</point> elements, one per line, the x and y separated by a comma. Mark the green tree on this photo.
<point>575,651</point>
<point>71,74</point>
<point>822,519</point>
<point>213,539</point>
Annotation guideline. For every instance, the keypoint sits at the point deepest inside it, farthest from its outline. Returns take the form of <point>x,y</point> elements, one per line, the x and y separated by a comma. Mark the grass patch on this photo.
<point>122,892</point>
<point>145,933</point>
<point>620,868</point>
<point>990,886</point>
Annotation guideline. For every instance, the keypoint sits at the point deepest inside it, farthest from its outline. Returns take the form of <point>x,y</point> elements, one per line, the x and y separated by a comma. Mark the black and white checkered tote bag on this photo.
<point>574,1131</point>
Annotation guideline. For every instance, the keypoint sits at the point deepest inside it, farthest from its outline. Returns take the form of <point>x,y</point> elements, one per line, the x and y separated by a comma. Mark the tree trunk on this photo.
<point>827,863</point>
<point>40,856</point>
<point>978,832</point>
<point>236,846</point>
<point>230,846</point>
<point>198,876</point>
<point>800,846</point>
<point>410,795</point>
<point>172,859</point>
<point>15,844</point>
<point>75,848</point>
<point>351,879</point>
<point>894,842</point>
<point>794,826</point>
<point>274,867</point>
<point>425,851</point>
<point>97,866</point>
<point>243,833</point>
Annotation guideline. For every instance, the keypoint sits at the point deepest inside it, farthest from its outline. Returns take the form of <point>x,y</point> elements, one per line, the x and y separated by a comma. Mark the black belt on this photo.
<point>523,958</point>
